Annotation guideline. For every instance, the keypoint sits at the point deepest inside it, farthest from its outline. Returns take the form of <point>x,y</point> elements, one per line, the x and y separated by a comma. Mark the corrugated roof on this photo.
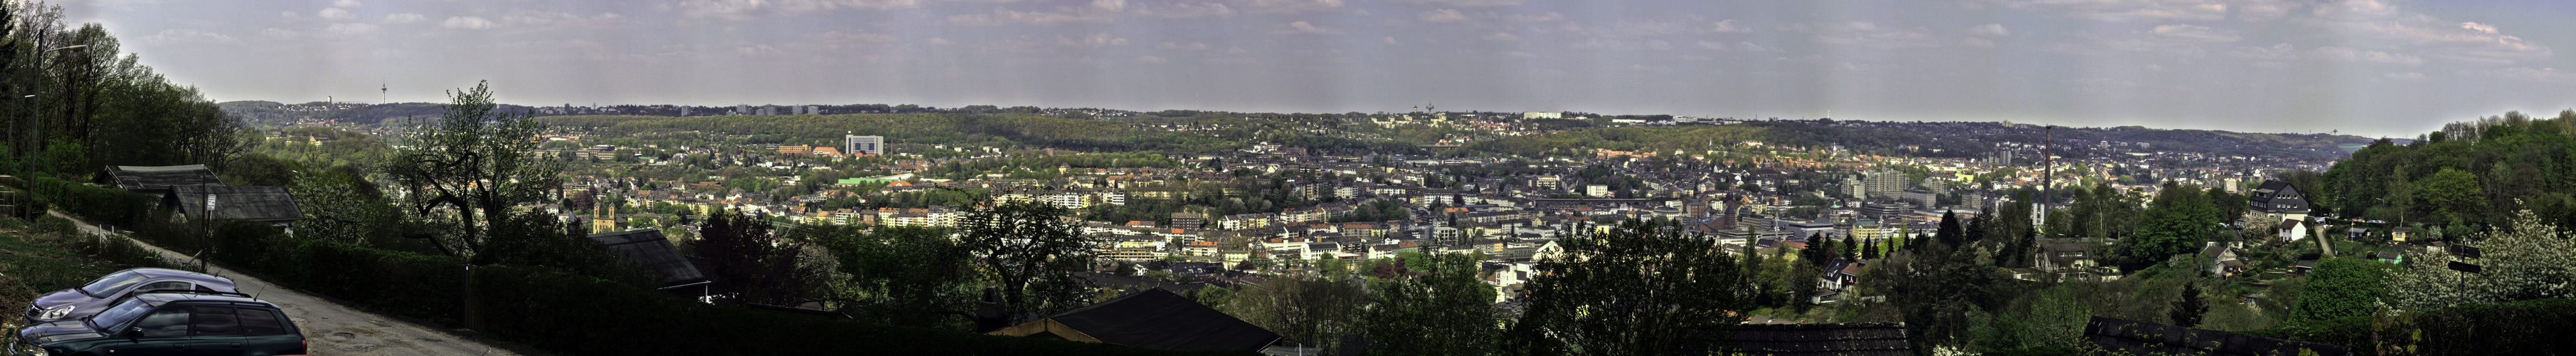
<point>2131,337</point>
<point>161,177</point>
<point>252,203</point>
<point>1158,319</point>
<point>1854,339</point>
<point>651,249</point>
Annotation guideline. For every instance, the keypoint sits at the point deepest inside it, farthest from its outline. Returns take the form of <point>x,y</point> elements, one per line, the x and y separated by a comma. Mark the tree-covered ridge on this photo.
<point>946,129</point>
<point>2469,174</point>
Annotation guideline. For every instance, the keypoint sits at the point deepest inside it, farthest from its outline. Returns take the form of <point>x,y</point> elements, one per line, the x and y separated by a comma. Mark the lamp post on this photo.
<point>36,114</point>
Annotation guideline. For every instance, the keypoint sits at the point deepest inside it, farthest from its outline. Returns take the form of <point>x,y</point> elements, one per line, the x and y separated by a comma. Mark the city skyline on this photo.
<point>2361,67</point>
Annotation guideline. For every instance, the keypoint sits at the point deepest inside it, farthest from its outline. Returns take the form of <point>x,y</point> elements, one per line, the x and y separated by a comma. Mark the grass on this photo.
<point>42,256</point>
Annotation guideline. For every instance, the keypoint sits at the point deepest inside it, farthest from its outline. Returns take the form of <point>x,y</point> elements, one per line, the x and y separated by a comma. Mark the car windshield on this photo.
<point>111,283</point>
<point>119,314</point>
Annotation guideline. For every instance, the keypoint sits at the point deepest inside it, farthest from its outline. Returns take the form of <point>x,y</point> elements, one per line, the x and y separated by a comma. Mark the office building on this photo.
<point>871,145</point>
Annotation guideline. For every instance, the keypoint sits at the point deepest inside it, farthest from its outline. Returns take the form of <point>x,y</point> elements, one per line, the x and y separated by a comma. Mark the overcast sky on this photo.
<point>2368,67</point>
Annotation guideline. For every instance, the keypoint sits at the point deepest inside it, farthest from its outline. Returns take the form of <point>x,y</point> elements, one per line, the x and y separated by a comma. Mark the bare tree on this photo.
<point>472,163</point>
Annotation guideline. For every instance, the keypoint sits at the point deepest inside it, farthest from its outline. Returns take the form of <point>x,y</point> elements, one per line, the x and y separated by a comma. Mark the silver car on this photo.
<point>89,298</point>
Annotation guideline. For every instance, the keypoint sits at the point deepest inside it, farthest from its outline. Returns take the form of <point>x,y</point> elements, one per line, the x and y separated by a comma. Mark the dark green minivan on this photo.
<point>170,322</point>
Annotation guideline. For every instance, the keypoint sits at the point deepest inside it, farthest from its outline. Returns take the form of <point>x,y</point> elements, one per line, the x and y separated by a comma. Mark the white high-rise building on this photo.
<point>855,144</point>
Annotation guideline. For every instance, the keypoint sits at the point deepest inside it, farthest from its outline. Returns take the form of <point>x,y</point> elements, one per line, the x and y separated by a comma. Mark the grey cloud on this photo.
<point>2196,33</point>
<point>2130,10</point>
<point>1441,15</point>
<point>467,23</point>
<point>1465,3</point>
<point>406,18</point>
<point>1002,16</point>
<point>1729,26</point>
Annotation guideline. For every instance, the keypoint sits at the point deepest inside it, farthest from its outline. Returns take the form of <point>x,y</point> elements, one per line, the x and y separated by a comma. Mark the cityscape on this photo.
<point>1287,177</point>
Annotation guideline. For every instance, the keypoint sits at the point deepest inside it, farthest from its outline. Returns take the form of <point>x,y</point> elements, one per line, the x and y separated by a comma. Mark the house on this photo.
<point>647,247</point>
<point>2222,260</point>
<point>2276,201</point>
<point>273,205</point>
<point>1154,319</point>
<point>2401,234</point>
<point>157,179</point>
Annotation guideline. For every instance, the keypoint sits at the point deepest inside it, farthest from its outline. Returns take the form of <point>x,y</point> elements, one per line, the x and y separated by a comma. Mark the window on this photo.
<point>256,321</point>
<point>167,322</point>
<point>214,321</point>
<point>111,283</point>
<point>163,285</point>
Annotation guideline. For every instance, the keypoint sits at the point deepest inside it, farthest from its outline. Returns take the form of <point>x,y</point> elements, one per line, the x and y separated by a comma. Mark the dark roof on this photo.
<point>649,248</point>
<point>2131,337</point>
<point>1158,319</point>
<point>161,177</point>
<point>1855,339</point>
<point>253,203</point>
<point>2264,198</point>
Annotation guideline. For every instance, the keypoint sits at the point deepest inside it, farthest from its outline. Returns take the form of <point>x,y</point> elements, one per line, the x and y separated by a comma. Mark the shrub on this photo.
<point>98,204</point>
<point>556,311</point>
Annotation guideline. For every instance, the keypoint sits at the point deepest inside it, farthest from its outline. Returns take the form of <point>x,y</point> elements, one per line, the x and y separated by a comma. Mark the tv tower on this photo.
<point>383,91</point>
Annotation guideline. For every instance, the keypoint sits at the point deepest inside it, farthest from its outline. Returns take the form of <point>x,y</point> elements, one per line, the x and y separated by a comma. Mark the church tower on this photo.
<point>606,221</point>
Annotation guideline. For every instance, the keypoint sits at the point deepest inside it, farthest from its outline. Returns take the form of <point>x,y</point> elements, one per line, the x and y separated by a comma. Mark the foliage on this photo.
<point>340,204</point>
<point>2341,287</point>
<point>1321,312</point>
<point>99,204</point>
<point>2478,173</point>
<point>578,314</point>
<point>2529,259</point>
<point>1633,290</point>
<point>1937,288</point>
<point>910,275</point>
<point>90,105</point>
<point>471,161</point>
<point>2175,224</point>
<point>748,262</point>
<point>2189,307</point>
<point>1439,309</point>
<point>1032,251</point>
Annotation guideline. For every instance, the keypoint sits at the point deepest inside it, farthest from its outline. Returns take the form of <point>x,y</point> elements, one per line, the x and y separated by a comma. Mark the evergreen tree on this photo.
<point>2187,311</point>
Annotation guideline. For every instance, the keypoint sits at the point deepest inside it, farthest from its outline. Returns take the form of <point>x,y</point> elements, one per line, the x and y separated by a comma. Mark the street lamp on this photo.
<point>36,114</point>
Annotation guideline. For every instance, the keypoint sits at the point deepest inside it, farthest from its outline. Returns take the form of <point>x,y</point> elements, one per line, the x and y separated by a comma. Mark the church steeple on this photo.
<point>606,219</point>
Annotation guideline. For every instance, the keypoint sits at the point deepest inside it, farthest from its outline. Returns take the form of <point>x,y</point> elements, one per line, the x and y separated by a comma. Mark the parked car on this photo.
<point>89,298</point>
<point>171,322</point>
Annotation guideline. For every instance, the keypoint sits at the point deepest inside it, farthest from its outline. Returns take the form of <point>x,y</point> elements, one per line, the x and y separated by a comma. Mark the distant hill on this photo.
<point>273,114</point>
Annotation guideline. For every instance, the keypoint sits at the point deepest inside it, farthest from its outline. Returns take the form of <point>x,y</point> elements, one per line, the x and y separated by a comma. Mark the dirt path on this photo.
<point>333,329</point>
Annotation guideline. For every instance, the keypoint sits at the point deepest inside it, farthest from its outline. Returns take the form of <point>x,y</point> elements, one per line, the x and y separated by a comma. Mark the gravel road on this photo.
<point>334,329</point>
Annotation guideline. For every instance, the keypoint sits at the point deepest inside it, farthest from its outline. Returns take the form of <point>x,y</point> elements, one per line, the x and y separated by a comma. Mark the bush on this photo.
<point>98,204</point>
<point>2529,327</point>
<point>556,311</point>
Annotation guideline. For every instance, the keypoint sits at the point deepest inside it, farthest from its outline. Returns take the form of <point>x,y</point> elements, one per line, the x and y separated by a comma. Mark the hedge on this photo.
<point>2529,327</point>
<point>98,204</point>
<point>574,314</point>
<point>556,311</point>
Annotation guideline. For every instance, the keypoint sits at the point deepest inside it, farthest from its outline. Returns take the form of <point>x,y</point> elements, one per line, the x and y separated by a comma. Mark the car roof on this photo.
<point>157,273</point>
<point>179,297</point>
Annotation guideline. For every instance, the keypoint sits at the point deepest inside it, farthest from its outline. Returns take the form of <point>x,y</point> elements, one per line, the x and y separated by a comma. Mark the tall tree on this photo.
<point>908,275</point>
<point>2175,224</point>
<point>469,168</point>
<point>748,262</point>
<point>1032,249</point>
<point>1635,290</point>
<point>1439,309</point>
<point>2189,306</point>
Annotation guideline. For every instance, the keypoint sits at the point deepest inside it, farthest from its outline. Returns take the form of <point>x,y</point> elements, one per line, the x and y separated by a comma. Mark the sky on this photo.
<point>2366,67</point>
